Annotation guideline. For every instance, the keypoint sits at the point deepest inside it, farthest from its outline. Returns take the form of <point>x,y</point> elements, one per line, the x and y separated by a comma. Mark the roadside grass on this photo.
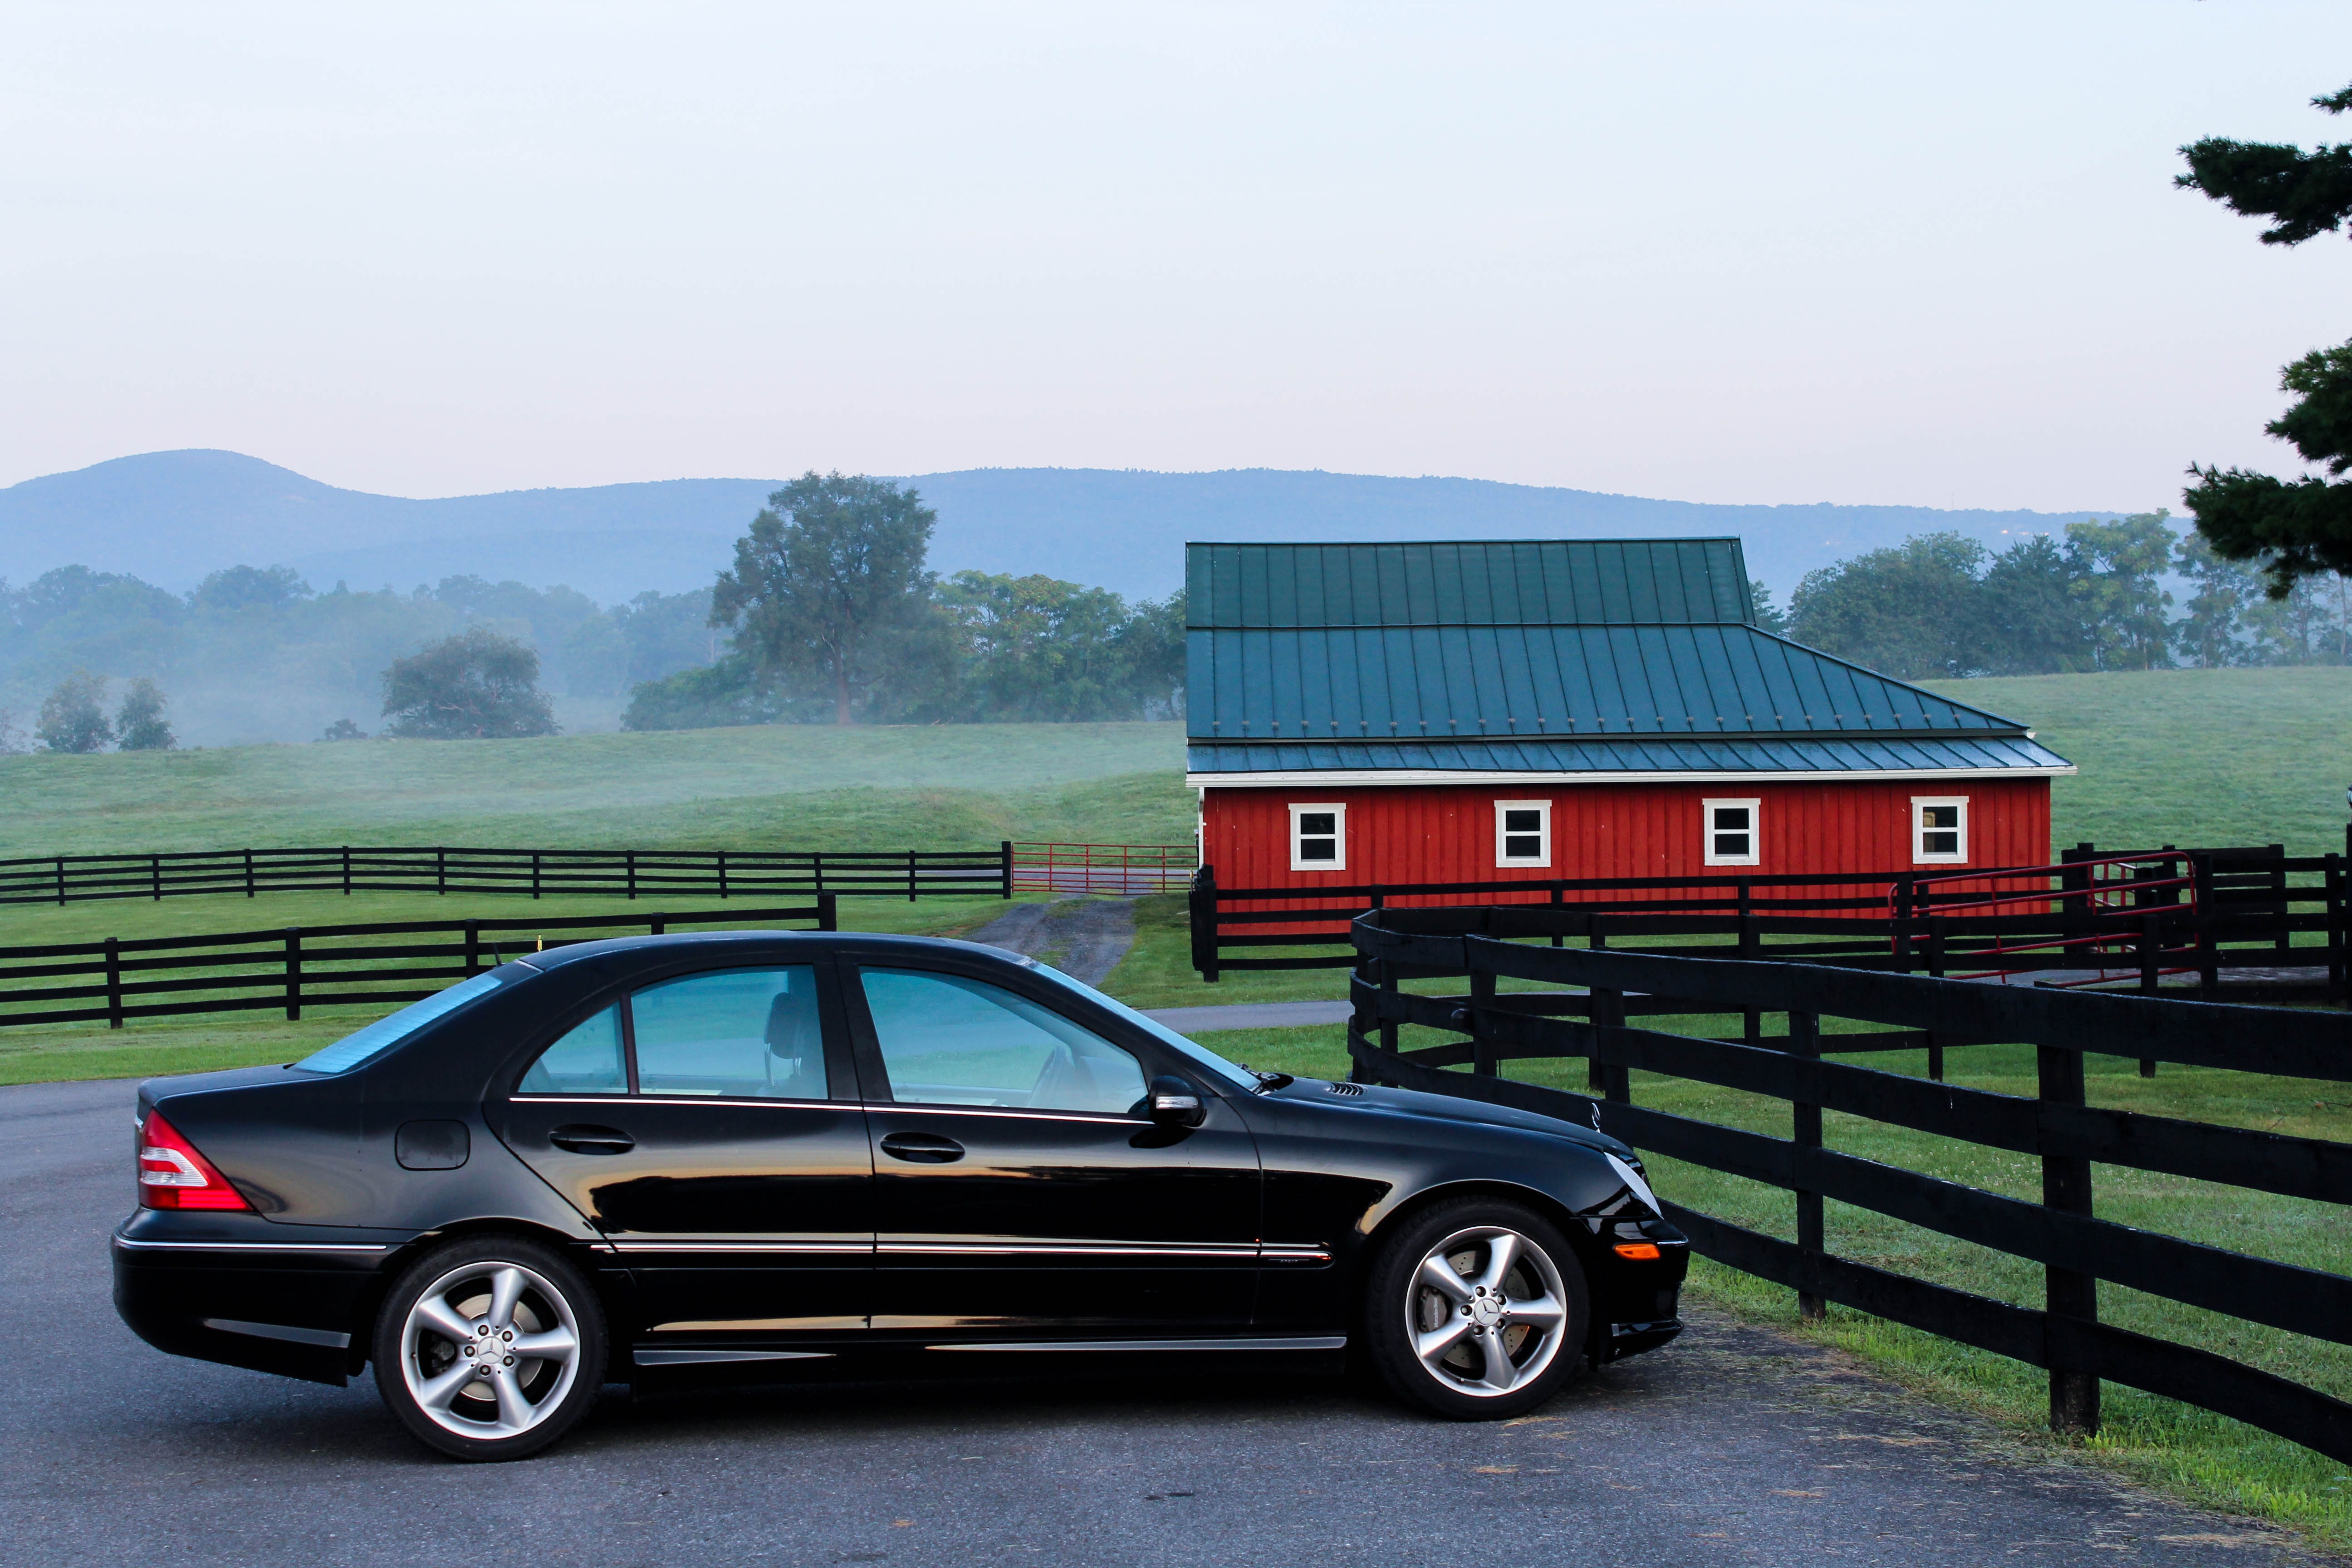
<point>2208,1458</point>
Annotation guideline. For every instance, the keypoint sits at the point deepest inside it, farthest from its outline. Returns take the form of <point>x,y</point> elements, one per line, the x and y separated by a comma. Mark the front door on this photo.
<point>1021,1191</point>
<point>710,1126</point>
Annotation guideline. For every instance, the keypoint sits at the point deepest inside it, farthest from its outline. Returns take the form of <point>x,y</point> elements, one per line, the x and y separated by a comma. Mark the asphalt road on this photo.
<point>1731,1448</point>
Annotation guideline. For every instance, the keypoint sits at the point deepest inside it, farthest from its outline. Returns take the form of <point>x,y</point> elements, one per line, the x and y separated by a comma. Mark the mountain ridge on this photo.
<point>171,517</point>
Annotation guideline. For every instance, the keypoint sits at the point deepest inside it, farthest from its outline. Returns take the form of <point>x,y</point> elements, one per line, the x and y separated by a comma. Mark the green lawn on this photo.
<point>784,787</point>
<point>2192,757</point>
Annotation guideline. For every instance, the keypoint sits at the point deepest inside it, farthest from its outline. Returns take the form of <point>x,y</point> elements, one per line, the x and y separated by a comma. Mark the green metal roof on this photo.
<point>1550,583</point>
<point>1576,640</point>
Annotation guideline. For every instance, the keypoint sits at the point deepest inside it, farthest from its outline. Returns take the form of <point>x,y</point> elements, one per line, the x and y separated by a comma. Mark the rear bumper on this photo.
<point>299,1310</point>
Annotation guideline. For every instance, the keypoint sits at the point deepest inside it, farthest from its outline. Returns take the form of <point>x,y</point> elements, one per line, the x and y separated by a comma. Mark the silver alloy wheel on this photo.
<point>1485,1312</point>
<point>489,1350</point>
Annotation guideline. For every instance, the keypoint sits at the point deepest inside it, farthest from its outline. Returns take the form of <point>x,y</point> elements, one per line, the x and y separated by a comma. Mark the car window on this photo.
<point>947,1040</point>
<point>741,1033</point>
<point>366,1043</point>
<point>586,1060</point>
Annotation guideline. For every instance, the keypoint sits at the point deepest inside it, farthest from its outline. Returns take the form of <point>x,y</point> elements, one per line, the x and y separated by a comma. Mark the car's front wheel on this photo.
<point>490,1348</point>
<point>1476,1309</point>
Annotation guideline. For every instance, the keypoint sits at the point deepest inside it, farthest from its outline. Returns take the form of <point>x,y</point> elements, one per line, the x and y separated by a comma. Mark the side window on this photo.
<point>1523,833</point>
<point>1939,829</point>
<point>741,1033</point>
<point>1318,838</point>
<point>1733,832</point>
<point>947,1040</point>
<point>586,1060</point>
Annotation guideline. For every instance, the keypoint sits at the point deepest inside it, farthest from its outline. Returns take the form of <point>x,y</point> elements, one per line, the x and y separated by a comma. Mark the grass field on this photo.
<point>785,786</point>
<point>2192,757</point>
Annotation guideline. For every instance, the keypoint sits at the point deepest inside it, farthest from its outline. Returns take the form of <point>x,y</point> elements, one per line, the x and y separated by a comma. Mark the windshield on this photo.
<point>385,1033</point>
<point>1201,1054</point>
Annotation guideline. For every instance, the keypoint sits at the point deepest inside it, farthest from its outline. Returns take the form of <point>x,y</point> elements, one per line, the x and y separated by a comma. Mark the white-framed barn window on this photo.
<point>1734,836</point>
<point>1939,829</point>
<point>1523,833</point>
<point>1318,835</point>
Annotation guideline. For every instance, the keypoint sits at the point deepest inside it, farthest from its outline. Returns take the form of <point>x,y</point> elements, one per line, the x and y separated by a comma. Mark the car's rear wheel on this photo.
<point>1476,1309</point>
<point>490,1348</point>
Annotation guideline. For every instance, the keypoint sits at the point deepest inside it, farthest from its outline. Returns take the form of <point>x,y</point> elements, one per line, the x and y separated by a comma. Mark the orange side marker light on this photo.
<point>1637,1251</point>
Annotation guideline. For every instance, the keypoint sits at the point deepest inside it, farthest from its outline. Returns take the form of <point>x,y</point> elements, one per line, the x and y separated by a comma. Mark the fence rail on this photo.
<point>2138,918</point>
<point>292,967</point>
<point>630,873</point>
<point>2077,1250</point>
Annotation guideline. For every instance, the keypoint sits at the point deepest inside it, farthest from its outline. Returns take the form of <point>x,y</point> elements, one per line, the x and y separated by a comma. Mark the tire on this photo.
<point>1511,1338</point>
<point>466,1394</point>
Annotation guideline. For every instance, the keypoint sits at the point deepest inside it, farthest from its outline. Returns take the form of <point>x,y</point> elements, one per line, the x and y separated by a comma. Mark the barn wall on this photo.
<point>1446,833</point>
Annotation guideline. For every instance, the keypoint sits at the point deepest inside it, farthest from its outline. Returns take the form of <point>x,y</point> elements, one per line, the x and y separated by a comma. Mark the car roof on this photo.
<point>722,944</point>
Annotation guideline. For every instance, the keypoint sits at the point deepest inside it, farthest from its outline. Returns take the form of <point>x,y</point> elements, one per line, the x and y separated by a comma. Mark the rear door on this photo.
<point>710,1126</point>
<point>1020,1190</point>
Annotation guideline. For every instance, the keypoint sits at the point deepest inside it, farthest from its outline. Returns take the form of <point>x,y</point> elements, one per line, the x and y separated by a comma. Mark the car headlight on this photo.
<point>1633,1179</point>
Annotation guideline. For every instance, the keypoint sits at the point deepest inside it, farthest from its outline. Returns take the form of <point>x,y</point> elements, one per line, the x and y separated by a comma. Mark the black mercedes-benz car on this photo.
<point>769,1154</point>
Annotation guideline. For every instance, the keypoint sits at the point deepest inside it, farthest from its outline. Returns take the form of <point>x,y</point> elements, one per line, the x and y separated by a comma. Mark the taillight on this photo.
<point>174,1175</point>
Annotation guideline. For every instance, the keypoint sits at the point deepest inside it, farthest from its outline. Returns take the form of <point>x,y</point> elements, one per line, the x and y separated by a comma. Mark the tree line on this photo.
<point>2096,598</point>
<point>829,614</point>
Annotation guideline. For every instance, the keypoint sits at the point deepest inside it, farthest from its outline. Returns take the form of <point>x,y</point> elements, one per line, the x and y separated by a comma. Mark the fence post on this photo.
<point>911,876</point>
<point>1004,855</point>
<point>1559,902</point>
<point>2208,944</point>
<point>1805,1041</point>
<point>2284,940</point>
<point>2336,966</point>
<point>1482,1047</point>
<point>441,871</point>
<point>1906,893</point>
<point>1201,908</point>
<point>1751,946</point>
<point>630,858</point>
<point>2066,1188</point>
<point>826,918</point>
<point>293,974</point>
<point>722,874</point>
<point>155,875</point>
<point>534,873</point>
<point>2150,949</point>
<point>660,925</point>
<point>61,879</point>
<point>347,870</point>
<point>1597,1010</point>
<point>1938,927</point>
<point>113,983</point>
<point>473,947</point>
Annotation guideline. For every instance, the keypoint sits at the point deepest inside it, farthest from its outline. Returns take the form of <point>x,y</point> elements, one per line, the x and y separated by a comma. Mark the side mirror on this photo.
<point>1175,1103</point>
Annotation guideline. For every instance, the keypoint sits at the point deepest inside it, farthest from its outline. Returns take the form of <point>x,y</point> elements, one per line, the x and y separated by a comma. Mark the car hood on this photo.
<point>1442,1108</point>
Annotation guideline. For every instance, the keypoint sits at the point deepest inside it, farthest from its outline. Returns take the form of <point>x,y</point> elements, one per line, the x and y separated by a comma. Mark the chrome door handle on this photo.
<point>922,1148</point>
<point>582,1140</point>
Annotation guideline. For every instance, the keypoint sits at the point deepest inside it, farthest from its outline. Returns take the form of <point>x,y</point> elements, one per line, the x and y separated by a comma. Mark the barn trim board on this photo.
<point>1414,692</point>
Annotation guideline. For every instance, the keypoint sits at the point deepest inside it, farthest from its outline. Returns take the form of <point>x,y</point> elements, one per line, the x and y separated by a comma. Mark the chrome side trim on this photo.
<point>761,1103</point>
<point>892,1107</point>
<point>1239,1252</point>
<point>691,1358</point>
<point>249,1246</point>
<point>1312,1343</point>
<point>814,1248</point>
<point>322,1336</point>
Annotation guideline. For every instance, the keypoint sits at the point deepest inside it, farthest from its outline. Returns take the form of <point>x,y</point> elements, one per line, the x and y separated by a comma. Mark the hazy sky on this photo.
<point>1750,252</point>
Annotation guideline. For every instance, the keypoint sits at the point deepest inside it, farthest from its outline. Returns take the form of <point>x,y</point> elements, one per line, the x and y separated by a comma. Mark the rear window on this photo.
<point>366,1043</point>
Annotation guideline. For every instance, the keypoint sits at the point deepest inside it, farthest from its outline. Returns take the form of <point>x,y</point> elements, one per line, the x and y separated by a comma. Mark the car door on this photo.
<point>710,1125</point>
<point>1021,1190</point>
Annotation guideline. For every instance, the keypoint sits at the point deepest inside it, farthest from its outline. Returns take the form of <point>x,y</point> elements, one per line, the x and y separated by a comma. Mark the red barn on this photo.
<point>1391,713</point>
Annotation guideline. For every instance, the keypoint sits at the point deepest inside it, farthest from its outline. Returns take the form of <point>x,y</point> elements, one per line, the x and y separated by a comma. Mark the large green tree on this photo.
<point>828,588</point>
<point>2294,528</point>
<point>477,684</point>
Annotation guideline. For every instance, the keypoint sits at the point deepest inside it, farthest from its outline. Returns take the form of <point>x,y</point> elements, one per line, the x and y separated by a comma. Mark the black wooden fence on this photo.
<point>2147,918</point>
<point>318,966</point>
<point>632,873</point>
<point>2077,1250</point>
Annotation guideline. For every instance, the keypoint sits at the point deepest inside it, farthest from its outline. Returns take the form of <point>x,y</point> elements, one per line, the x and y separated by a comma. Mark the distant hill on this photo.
<point>171,517</point>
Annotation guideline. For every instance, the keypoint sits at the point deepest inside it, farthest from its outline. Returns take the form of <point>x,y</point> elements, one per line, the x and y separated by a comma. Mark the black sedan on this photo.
<point>763,1155</point>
